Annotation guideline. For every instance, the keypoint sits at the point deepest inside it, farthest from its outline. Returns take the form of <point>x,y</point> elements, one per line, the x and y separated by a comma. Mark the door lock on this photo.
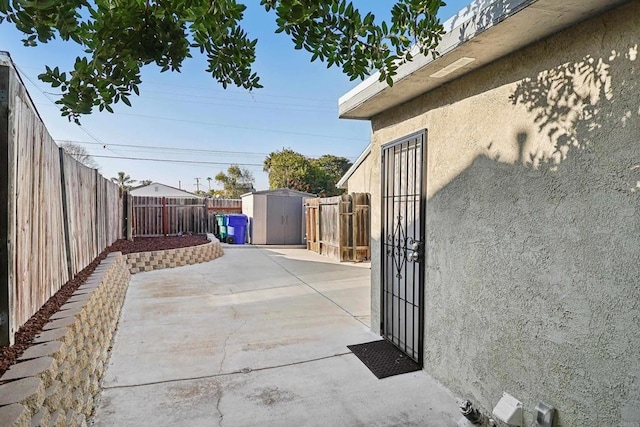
<point>414,247</point>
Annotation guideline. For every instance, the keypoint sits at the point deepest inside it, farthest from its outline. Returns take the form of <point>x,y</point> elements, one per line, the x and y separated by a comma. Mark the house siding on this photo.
<point>533,225</point>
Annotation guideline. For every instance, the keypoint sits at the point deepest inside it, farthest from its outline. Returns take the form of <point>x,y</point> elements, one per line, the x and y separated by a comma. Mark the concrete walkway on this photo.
<point>256,337</point>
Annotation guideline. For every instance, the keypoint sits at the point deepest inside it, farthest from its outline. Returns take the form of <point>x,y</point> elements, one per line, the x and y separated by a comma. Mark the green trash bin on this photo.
<point>222,227</point>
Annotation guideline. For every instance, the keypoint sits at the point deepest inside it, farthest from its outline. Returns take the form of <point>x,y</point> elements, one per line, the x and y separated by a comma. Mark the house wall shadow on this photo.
<point>533,224</point>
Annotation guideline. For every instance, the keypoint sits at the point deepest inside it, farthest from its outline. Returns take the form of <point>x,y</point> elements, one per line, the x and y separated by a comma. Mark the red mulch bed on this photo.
<point>25,335</point>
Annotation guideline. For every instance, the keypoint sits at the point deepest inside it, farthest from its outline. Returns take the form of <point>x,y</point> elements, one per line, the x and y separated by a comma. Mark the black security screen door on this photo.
<point>403,224</point>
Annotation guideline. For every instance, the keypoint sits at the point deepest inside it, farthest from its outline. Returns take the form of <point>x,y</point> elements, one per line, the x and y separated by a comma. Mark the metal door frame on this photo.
<point>421,140</point>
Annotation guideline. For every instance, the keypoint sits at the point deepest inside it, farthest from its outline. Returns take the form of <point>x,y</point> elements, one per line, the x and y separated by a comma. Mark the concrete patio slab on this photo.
<point>257,337</point>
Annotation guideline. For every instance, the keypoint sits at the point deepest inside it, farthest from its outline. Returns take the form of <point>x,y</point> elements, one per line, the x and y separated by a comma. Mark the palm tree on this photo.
<point>209,179</point>
<point>123,180</point>
<point>146,182</point>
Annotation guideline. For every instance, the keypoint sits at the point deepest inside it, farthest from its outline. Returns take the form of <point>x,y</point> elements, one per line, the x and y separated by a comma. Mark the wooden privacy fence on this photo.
<point>56,215</point>
<point>339,227</point>
<point>169,216</point>
<point>218,207</point>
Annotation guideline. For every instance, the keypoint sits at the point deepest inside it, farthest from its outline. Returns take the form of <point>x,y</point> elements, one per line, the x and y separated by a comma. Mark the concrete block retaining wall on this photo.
<point>170,258</point>
<point>57,379</point>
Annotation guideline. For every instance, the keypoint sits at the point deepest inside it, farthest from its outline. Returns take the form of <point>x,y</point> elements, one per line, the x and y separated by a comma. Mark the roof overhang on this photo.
<point>482,32</point>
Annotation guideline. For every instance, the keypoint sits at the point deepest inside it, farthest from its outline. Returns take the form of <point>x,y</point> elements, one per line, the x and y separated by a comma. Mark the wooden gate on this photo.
<point>339,227</point>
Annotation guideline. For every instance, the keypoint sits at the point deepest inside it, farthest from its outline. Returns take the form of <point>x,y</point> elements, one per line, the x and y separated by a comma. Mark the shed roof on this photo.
<point>482,32</point>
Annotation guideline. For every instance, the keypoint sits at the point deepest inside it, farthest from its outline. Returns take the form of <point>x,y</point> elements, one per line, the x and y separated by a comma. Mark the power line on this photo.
<point>173,119</point>
<point>155,83</point>
<point>189,150</point>
<point>194,150</point>
<point>237,126</point>
<point>307,108</point>
<point>49,99</point>
<point>196,121</point>
<point>239,91</point>
<point>176,161</point>
<point>286,104</point>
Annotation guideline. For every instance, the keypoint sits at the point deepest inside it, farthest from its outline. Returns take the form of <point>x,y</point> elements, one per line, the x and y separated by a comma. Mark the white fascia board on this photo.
<point>484,30</point>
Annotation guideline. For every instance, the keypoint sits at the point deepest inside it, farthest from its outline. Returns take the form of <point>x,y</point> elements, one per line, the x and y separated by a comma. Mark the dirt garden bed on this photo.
<point>25,335</point>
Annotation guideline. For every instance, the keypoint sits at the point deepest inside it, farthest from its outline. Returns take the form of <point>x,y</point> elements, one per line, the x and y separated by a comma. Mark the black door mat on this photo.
<point>384,359</point>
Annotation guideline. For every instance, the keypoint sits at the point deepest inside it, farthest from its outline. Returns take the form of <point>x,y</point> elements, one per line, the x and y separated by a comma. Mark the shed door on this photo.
<point>284,220</point>
<point>403,231</point>
<point>292,211</point>
<point>275,219</point>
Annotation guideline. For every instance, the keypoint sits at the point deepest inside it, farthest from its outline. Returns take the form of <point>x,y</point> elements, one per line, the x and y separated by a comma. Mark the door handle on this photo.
<point>414,246</point>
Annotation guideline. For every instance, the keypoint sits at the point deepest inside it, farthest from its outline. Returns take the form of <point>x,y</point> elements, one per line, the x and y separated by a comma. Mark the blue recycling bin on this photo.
<point>236,228</point>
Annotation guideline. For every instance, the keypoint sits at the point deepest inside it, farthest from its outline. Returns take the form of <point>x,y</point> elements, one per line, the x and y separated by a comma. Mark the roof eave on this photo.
<point>484,31</point>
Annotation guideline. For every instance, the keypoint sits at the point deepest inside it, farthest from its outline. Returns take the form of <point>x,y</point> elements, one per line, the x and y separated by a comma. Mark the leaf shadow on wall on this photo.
<point>542,254</point>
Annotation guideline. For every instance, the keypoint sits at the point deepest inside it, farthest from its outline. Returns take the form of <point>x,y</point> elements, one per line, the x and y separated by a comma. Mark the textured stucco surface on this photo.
<point>533,224</point>
<point>364,177</point>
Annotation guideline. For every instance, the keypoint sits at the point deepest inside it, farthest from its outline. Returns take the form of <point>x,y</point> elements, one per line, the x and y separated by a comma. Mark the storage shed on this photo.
<point>276,217</point>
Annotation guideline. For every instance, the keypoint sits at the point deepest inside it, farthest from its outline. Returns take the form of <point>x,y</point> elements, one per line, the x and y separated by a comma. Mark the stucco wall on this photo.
<point>363,177</point>
<point>533,224</point>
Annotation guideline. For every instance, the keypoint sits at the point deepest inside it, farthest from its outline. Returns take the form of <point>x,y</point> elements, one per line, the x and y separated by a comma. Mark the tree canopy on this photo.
<point>79,153</point>
<point>288,169</point>
<point>123,180</point>
<point>119,37</point>
<point>329,169</point>
<point>236,181</point>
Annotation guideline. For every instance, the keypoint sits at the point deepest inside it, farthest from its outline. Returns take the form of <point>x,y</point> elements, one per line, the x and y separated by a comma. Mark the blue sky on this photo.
<point>188,117</point>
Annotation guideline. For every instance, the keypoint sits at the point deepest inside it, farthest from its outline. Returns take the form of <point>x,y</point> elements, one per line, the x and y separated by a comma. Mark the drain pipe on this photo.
<point>472,416</point>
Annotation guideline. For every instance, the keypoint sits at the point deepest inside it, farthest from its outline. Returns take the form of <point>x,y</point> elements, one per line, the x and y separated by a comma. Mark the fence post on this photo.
<point>65,213</point>
<point>97,216</point>
<point>130,217</point>
<point>165,220</point>
<point>353,209</point>
<point>317,226</point>
<point>6,193</point>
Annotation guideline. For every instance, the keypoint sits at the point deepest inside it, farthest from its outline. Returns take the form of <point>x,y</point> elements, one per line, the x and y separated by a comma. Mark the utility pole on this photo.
<point>198,184</point>
<point>180,185</point>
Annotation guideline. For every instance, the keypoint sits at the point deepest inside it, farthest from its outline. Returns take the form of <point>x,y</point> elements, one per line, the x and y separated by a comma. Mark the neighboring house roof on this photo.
<point>281,191</point>
<point>343,181</point>
<point>156,189</point>
<point>480,33</point>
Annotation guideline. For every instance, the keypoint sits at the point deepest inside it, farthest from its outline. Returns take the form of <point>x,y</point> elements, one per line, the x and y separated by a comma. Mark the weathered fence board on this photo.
<point>339,227</point>
<point>221,206</point>
<point>169,216</point>
<point>57,214</point>
<point>39,253</point>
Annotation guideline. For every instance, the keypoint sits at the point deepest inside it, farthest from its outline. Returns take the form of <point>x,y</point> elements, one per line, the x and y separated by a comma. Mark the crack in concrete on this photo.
<point>221,416</point>
<point>226,340</point>
<point>242,371</point>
